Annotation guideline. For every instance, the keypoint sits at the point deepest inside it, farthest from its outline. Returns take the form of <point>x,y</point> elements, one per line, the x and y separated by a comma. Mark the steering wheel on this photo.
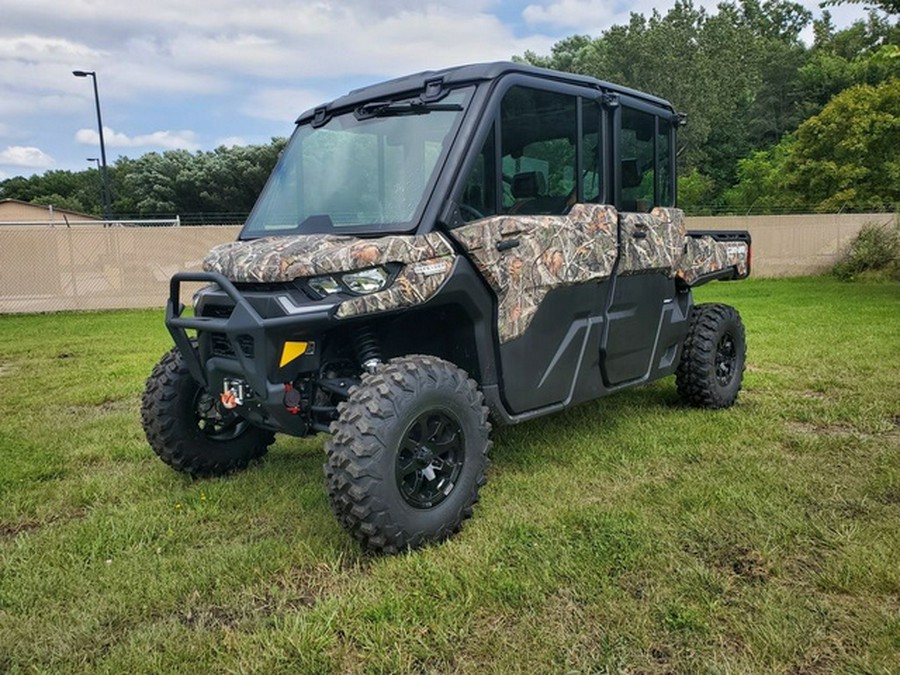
<point>472,211</point>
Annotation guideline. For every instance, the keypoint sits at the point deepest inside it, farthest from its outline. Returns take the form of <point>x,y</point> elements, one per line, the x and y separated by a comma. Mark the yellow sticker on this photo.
<point>291,351</point>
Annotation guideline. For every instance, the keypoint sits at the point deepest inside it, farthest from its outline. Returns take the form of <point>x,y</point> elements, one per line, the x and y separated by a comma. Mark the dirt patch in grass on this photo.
<point>748,564</point>
<point>14,529</point>
<point>10,530</point>
<point>306,586</point>
<point>210,617</point>
<point>92,411</point>
<point>813,395</point>
<point>295,589</point>
<point>739,561</point>
<point>890,496</point>
<point>821,429</point>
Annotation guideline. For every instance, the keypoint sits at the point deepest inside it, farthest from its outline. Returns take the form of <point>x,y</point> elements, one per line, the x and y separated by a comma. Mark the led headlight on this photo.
<point>366,281</point>
<point>324,285</point>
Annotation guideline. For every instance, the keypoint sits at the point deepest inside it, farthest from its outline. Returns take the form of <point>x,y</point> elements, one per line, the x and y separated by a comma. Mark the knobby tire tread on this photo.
<point>161,417</point>
<point>357,445</point>
<point>695,376</point>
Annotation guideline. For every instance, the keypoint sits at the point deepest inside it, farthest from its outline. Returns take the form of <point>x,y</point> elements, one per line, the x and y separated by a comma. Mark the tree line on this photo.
<point>217,186</point>
<point>774,124</point>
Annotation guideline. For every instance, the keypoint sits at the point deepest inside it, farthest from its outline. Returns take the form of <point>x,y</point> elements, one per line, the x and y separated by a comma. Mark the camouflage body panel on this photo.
<point>416,283</point>
<point>427,260</point>
<point>663,245</point>
<point>552,251</point>
<point>285,258</point>
<point>652,242</point>
<point>704,255</point>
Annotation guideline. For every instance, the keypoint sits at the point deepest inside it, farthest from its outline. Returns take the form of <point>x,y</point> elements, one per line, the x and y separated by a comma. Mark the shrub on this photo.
<point>876,249</point>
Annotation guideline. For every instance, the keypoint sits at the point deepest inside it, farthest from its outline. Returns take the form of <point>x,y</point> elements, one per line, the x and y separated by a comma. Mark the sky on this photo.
<point>173,74</point>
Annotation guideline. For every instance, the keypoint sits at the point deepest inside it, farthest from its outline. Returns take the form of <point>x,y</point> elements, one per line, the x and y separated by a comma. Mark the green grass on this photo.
<point>630,533</point>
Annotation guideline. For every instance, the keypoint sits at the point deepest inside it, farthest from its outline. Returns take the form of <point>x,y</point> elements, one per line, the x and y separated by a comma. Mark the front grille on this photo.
<point>217,311</point>
<point>220,346</point>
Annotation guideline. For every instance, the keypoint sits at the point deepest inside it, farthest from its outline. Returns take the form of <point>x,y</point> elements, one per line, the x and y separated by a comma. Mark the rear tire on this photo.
<point>187,427</point>
<point>408,454</point>
<point>713,359</point>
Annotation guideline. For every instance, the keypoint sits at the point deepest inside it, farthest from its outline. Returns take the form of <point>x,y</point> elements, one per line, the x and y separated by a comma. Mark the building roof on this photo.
<point>44,208</point>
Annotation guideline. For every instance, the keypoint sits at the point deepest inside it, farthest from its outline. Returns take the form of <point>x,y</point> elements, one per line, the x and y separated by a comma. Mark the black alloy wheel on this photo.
<point>726,359</point>
<point>430,459</point>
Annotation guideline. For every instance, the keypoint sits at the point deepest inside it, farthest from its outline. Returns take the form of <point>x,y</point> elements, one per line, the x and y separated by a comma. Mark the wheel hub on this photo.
<point>215,422</point>
<point>430,458</point>
<point>726,360</point>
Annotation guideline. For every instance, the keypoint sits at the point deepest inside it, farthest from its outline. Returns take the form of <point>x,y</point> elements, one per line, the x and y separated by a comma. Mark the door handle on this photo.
<point>507,244</point>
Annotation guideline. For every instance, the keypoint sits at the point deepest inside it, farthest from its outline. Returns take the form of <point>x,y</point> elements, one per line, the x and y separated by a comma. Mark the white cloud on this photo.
<point>570,13</point>
<point>26,156</point>
<point>591,17</point>
<point>171,140</point>
<point>284,104</point>
<point>28,48</point>
<point>242,65</point>
<point>231,141</point>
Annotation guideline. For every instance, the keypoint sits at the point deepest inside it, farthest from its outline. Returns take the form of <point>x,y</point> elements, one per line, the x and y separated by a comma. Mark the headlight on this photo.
<point>361,283</point>
<point>324,285</point>
<point>366,281</point>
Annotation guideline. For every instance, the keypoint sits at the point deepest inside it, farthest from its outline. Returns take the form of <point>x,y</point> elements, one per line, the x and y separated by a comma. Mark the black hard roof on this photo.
<point>474,72</point>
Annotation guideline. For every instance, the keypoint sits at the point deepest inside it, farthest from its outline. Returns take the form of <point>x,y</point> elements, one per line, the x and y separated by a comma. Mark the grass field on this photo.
<point>629,534</point>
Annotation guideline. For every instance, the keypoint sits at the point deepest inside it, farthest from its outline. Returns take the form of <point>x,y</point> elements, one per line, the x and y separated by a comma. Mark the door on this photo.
<point>651,236</point>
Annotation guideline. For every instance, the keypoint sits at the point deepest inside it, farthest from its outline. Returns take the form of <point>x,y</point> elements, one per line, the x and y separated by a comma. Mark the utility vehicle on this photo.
<point>488,242</point>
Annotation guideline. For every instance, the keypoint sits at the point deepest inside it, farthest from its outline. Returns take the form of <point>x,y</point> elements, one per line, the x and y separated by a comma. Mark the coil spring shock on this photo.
<point>367,349</point>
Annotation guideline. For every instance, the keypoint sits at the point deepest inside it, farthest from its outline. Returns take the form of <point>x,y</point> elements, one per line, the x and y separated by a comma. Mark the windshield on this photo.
<point>363,171</point>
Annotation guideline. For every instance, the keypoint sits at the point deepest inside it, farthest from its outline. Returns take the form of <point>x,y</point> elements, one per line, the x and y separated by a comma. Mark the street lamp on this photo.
<point>97,160</point>
<point>107,207</point>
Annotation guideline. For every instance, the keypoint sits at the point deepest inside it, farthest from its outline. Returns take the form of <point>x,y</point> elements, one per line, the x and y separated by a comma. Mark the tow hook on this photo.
<point>233,394</point>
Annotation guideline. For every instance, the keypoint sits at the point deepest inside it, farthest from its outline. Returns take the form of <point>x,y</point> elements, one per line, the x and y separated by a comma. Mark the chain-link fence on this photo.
<point>94,266</point>
<point>46,269</point>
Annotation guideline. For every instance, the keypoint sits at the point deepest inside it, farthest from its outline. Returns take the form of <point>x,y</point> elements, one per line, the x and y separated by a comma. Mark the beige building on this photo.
<point>15,211</point>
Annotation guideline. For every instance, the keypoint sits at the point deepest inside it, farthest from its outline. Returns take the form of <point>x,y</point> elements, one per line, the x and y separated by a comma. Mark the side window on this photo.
<point>637,160</point>
<point>479,197</point>
<point>592,157</point>
<point>664,193</point>
<point>539,132</point>
<point>645,154</point>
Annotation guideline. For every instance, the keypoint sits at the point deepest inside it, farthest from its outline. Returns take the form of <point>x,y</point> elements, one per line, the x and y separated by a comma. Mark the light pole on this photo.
<point>97,160</point>
<point>107,206</point>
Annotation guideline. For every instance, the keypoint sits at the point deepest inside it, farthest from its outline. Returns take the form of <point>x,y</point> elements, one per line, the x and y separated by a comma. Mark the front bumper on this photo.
<point>253,344</point>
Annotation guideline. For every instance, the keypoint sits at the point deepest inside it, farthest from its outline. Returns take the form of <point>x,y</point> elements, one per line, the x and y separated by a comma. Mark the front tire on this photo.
<point>711,369</point>
<point>189,430</point>
<point>408,454</point>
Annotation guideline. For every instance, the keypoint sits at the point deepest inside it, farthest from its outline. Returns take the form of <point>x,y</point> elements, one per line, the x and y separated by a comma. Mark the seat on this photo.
<point>529,185</point>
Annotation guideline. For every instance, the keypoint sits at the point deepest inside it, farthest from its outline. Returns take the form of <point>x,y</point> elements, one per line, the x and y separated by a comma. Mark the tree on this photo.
<point>202,184</point>
<point>60,202</point>
<point>761,186</point>
<point>846,156</point>
<point>734,72</point>
<point>889,6</point>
